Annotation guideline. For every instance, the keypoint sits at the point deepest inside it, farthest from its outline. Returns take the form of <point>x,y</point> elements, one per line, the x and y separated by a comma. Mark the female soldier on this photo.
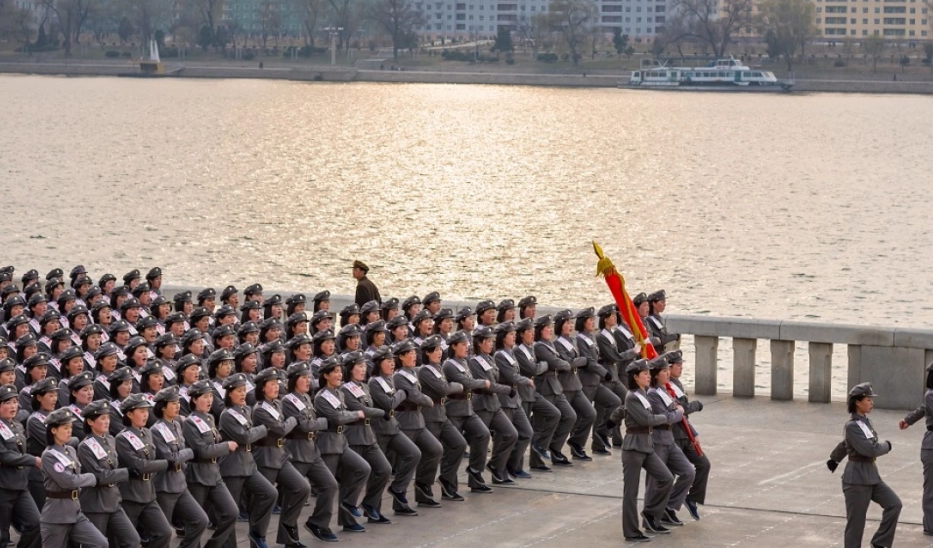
<point>617,349</point>
<point>78,319</point>
<point>121,386</point>
<point>320,321</point>
<point>350,315</point>
<point>511,404</point>
<point>925,411</point>
<point>219,369</point>
<point>664,446</point>
<point>192,342</point>
<point>701,464</point>
<point>461,414</point>
<point>427,450</point>
<point>171,486</point>
<point>299,347</point>
<point>489,408</point>
<point>35,367</point>
<point>16,504</point>
<point>592,377</point>
<point>526,307</point>
<point>325,347</point>
<point>165,348</point>
<point>486,313</point>
<point>548,385</point>
<point>861,483</point>
<point>151,380</point>
<point>272,307</point>
<point>389,309</point>
<point>62,519</point>
<point>348,340</point>
<point>375,339</point>
<point>137,452</point>
<point>90,342</point>
<point>350,469</point>
<point>161,308</point>
<point>423,324</point>
<point>273,355</point>
<point>572,386</point>
<point>443,327</point>
<point>81,389</point>
<point>251,311</point>
<point>137,353</point>
<point>98,455</point>
<point>44,401</point>
<point>369,313</point>
<point>638,453</point>
<point>238,469</point>
<point>248,333</point>
<point>293,304</point>
<point>273,459</point>
<point>398,329</point>
<point>105,360</point>
<point>297,324</point>
<point>321,301</point>
<point>305,456</point>
<point>362,440</point>
<point>505,311</point>
<point>203,473</point>
<point>435,386</point>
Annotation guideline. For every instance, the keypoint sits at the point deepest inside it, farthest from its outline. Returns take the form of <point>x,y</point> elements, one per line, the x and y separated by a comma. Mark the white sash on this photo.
<point>133,439</point>
<point>166,432</point>
<point>296,401</point>
<point>271,409</point>
<point>644,401</point>
<point>96,448</point>
<point>331,399</point>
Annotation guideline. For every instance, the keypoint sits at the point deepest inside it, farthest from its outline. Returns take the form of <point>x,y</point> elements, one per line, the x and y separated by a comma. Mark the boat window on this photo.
<point>636,75</point>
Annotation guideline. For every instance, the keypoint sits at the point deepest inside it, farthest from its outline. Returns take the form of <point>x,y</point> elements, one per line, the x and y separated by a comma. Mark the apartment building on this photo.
<point>891,19</point>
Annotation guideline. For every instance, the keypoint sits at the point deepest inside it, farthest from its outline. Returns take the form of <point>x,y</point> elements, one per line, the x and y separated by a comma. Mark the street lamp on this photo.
<point>333,43</point>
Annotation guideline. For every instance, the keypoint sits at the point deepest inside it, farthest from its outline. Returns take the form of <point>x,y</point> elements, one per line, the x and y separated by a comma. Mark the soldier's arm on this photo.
<point>67,478</point>
<point>646,417</point>
<point>862,444</point>
<point>165,451</point>
<point>237,432</point>
<point>130,459</point>
<point>334,416</point>
<point>15,458</point>
<point>554,363</point>
<point>199,446</point>
<point>305,422</point>
<point>91,464</point>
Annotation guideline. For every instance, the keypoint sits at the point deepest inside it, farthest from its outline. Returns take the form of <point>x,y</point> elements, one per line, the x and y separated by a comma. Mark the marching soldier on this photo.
<point>861,482</point>
<point>44,400</point>
<point>654,322</point>
<point>62,520</point>
<point>549,386</point>
<point>526,307</point>
<point>120,384</point>
<point>925,411</point>
<point>617,349</point>
<point>98,455</point>
<point>488,407</point>
<point>510,375</point>
<point>593,377</point>
<point>16,504</point>
<point>701,464</point>
<point>322,301</point>
<point>544,416</point>
<point>572,386</point>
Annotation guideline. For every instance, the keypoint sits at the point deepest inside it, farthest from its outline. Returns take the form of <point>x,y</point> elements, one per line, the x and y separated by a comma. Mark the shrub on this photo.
<point>112,54</point>
<point>547,57</point>
<point>126,55</point>
<point>839,63</point>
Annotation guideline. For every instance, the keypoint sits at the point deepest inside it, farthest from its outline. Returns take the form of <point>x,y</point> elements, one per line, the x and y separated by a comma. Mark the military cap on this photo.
<point>6,277</point>
<point>639,299</point>
<point>483,332</point>
<point>220,355</point>
<point>361,265</point>
<point>223,331</point>
<point>130,302</point>
<point>530,300</point>
<point>410,301</point>
<point>52,284</point>
<point>369,306</point>
<point>505,304</point>
<point>140,289</point>
<point>77,311</point>
<point>159,301</point>
<point>135,401</point>
<point>587,313</point>
<point>200,388</point>
<point>384,352</point>
<point>167,395</point>
<point>406,345</point>
<point>397,321</point>
<point>77,271</point>
<point>8,392</point>
<point>130,276</point>
<point>264,376</point>
<point>81,280</point>
<point>250,305</point>
<point>92,329</point>
<point>119,291</point>
<point>120,374</point>
<point>378,325</point>
<point>297,298</point>
<point>637,366</point>
<point>319,337</point>
<point>298,369</point>
<point>321,296</point>
<point>390,304</point>
<point>254,289</point>
<point>505,327</point>
<point>106,349</point>
<point>350,330</point>
<point>185,362</point>
<point>269,323</point>
<point>79,381</point>
<point>98,306</point>
<point>320,316</point>
<point>273,300</point>
<point>135,342</point>
<point>328,365</point>
<point>243,350</point>
<point>182,297</point>
<point>207,293</point>
<point>60,417</point>
<point>55,273</point>
<point>542,321</point>
<point>421,316</point>
<point>862,389</point>
<point>297,318</point>
<point>443,314</point>
<point>106,278</point>
<point>608,310</point>
<point>248,327</point>
<point>350,310</point>
<point>235,381</point>
<point>675,356</point>
<point>223,311</point>
<point>31,290</point>
<point>173,318</point>
<point>273,347</point>
<point>26,340</point>
<point>3,341</point>
<point>457,337</point>
<point>70,354</point>
<point>7,364</point>
<point>355,357</point>
<point>464,313</point>
<point>659,363</point>
<point>431,297</point>
<point>563,315</point>
<point>191,335</point>
<point>40,359</point>
<point>50,314</point>
<point>8,269</point>
<point>32,274</point>
<point>18,319</point>
<point>61,334</point>
<point>154,273</point>
<point>659,295</point>
<point>16,300</point>
<point>152,366</point>
<point>228,292</point>
<point>37,298</point>
<point>95,409</point>
<point>198,313</point>
<point>44,386</point>
<point>147,322</point>
<point>483,306</point>
<point>94,291</point>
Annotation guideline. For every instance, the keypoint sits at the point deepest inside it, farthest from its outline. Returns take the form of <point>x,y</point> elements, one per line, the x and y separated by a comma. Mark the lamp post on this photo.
<point>333,43</point>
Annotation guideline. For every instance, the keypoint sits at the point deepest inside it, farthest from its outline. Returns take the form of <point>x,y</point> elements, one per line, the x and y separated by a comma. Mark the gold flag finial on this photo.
<point>604,267</point>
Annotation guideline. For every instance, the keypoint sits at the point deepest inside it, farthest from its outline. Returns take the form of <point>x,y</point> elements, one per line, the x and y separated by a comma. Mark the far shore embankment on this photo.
<point>835,83</point>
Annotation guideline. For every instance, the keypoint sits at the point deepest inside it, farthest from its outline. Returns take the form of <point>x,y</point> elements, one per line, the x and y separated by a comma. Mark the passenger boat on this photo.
<point>719,75</point>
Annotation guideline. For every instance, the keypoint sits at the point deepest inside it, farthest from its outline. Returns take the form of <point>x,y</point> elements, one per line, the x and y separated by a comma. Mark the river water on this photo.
<point>780,206</point>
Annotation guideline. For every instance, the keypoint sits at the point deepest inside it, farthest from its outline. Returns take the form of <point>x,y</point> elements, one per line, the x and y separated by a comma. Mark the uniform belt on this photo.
<point>248,447</point>
<point>440,401</point>
<point>212,460</point>
<point>294,435</point>
<point>860,458</point>
<point>461,396</point>
<point>63,495</point>
<point>178,467</point>
<point>271,442</point>
<point>663,427</point>
<point>335,429</point>
<point>408,406</point>
<point>573,370</point>
<point>145,477</point>
<point>363,422</point>
<point>638,430</point>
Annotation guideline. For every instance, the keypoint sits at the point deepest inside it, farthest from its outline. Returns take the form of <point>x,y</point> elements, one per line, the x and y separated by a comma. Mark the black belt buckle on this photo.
<point>146,476</point>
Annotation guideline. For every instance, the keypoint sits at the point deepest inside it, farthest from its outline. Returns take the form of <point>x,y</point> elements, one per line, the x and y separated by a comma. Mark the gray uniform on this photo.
<point>172,486</point>
<point>700,463</point>
<point>350,469</point>
<point>35,445</point>
<point>669,452</point>
<point>510,375</point>
<point>593,376</point>
<point>435,386</point>
<point>203,474</point>
<point>138,454</point>
<point>62,519</point>
<point>306,457</point>
<point>925,411</point>
<point>638,453</point>
<point>362,439</point>
<point>573,391</point>
<point>459,409</point>
<point>544,416</point>
<point>239,470</point>
<point>102,504</point>
<point>657,328</point>
<point>487,405</point>
<point>861,484</point>
<point>273,458</point>
<point>550,387</point>
<point>16,504</point>
<point>616,352</point>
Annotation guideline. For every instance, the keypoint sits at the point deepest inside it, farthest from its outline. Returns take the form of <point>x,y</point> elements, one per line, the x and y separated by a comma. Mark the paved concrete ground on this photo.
<point>769,488</point>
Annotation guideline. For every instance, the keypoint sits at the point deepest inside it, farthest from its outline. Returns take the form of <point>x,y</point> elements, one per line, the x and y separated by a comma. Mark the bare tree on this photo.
<point>103,20</point>
<point>874,48</point>
<point>343,18</point>
<point>270,21</point>
<point>211,12</point>
<point>310,12</point>
<point>16,23</point>
<point>399,19</point>
<point>676,35</point>
<point>787,26</point>
<point>714,22</point>
<point>573,20</point>
<point>70,16</point>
